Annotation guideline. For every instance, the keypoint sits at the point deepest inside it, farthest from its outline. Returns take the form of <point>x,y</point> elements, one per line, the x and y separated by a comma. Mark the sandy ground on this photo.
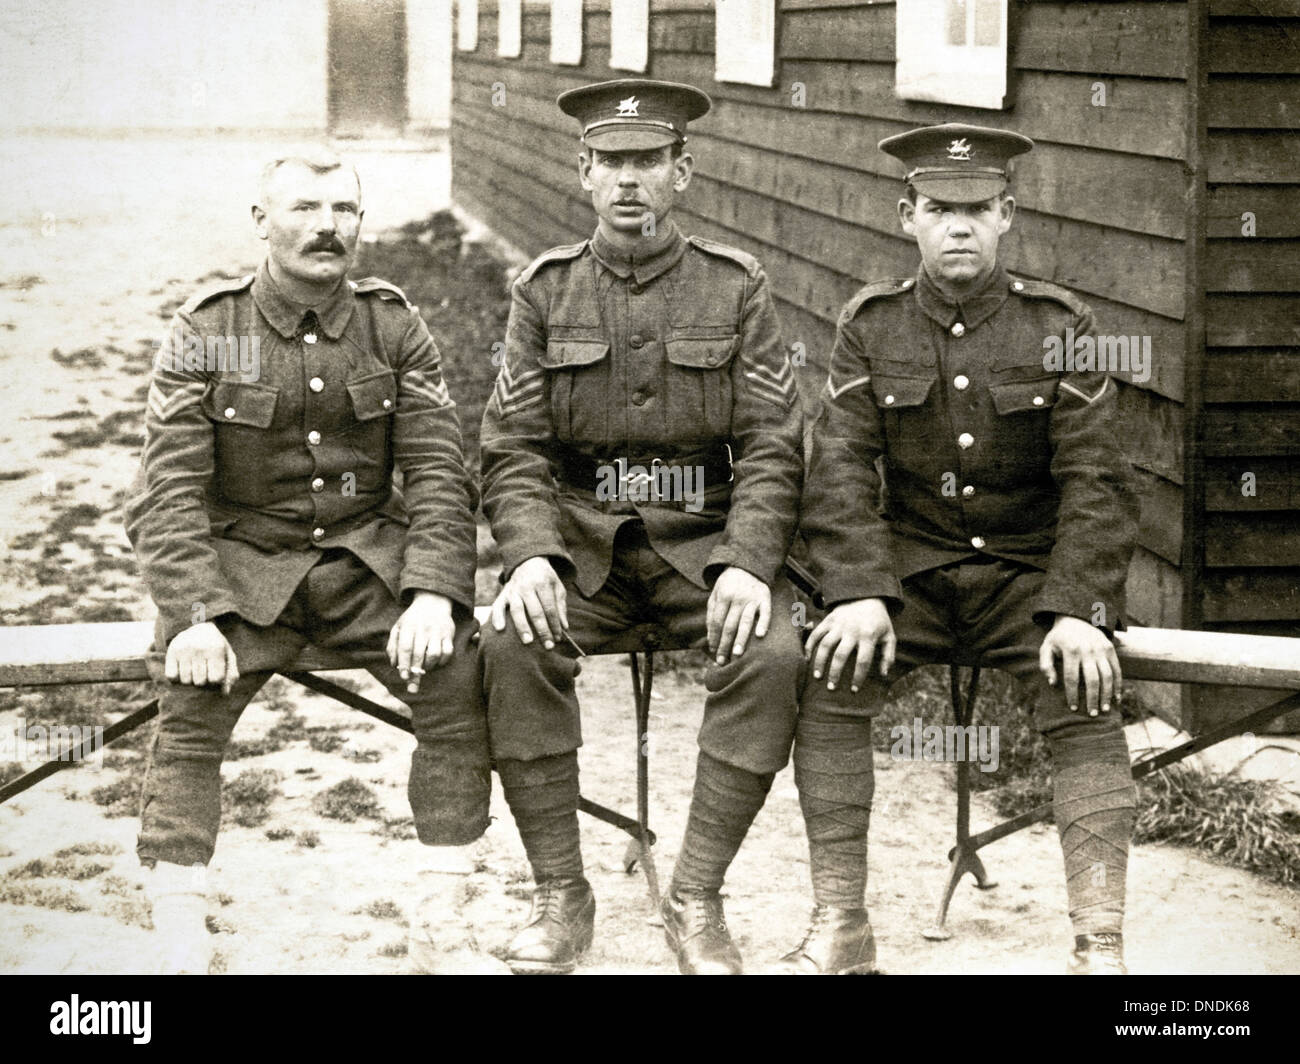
<point>102,238</point>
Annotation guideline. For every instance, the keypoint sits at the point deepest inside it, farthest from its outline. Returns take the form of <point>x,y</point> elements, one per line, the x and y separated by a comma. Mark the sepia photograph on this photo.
<point>646,487</point>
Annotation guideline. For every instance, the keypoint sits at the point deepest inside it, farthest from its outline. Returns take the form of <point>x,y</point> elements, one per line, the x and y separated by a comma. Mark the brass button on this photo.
<point>1038,400</point>
<point>230,411</point>
<point>638,398</point>
<point>388,404</point>
<point>909,282</point>
<point>968,491</point>
<point>977,542</point>
<point>958,329</point>
<point>313,437</point>
<point>637,340</point>
<point>889,400</point>
<point>318,533</point>
<point>961,382</point>
<point>316,384</point>
<point>635,288</point>
<point>1019,286</point>
<point>318,484</point>
<point>309,338</point>
<point>965,440</point>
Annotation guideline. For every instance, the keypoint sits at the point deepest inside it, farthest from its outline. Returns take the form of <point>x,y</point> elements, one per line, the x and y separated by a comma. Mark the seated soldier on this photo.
<point>642,461</point>
<point>265,518</point>
<point>1008,524</point>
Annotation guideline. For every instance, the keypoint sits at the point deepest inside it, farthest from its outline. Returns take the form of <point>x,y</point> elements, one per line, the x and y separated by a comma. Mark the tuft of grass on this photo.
<point>382,909</point>
<point>363,757</point>
<point>67,867</point>
<point>348,801</point>
<point>308,840</point>
<point>1237,820</point>
<point>246,799</point>
<point>393,949</point>
<point>279,834</point>
<point>398,828</point>
<point>89,849</point>
<point>119,798</point>
<point>14,892</point>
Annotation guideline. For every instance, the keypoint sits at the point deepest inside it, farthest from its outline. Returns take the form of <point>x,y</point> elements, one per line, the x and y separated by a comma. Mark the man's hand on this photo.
<point>739,605</point>
<point>861,626</point>
<point>200,655</point>
<point>1085,652</point>
<point>534,596</point>
<point>422,637</point>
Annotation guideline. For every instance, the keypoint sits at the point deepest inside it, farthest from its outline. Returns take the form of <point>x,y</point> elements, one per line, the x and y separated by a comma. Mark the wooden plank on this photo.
<point>1251,484</point>
<point>1267,157</point>
<point>1252,375</point>
<point>1265,46</point>
<point>1255,8</point>
<point>1253,595</point>
<point>1239,320</point>
<point>1260,430</point>
<point>1160,527</point>
<point>1051,107</point>
<point>1171,655</point>
<point>1153,432</point>
<point>1153,590</point>
<point>1102,38</point>
<point>859,34</point>
<point>1240,540</point>
<point>1272,205</point>
<point>1249,102</point>
<point>1252,265</point>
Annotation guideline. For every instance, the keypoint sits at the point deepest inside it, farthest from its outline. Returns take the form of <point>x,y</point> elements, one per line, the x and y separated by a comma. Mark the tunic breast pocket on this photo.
<point>902,402</point>
<point>699,392</point>
<point>374,401</point>
<point>578,374</point>
<point>243,415</point>
<point>1023,441</point>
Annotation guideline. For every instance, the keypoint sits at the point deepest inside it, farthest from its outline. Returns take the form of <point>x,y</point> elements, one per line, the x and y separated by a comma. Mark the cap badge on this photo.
<point>627,108</point>
<point>959,150</point>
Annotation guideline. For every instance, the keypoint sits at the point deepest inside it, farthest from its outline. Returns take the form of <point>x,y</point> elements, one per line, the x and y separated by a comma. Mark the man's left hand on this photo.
<point>422,638</point>
<point>739,605</point>
<point>1085,653</point>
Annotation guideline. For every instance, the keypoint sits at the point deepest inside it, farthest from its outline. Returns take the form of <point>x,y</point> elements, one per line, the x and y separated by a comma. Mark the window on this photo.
<point>510,28</point>
<point>629,34</point>
<point>566,32</point>
<point>746,41</point>
<point>467,25</point>
<point>952,51</point>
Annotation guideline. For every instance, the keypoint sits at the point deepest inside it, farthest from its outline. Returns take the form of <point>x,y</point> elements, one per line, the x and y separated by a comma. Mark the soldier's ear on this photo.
<point>259,221</point>
<point>907,216</point>
<point>584,170</point>
<point>1006,211</point>
<point>683,167</point>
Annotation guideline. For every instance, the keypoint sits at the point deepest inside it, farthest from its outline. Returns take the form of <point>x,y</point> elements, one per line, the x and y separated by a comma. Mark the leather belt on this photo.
<point>582,471</point>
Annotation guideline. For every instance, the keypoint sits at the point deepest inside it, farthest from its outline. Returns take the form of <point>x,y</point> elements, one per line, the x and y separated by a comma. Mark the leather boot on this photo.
<point>696,929</point>
<point>559,929</point>
<point>838,942</point>
<point>1098,954</point>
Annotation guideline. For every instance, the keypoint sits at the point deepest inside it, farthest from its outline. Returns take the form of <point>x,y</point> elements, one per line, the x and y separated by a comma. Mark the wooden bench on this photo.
<point>47,655</point>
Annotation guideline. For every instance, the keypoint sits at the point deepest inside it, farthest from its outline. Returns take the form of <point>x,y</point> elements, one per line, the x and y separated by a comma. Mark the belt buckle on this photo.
<point>645,479</point>
<point>731,464</point>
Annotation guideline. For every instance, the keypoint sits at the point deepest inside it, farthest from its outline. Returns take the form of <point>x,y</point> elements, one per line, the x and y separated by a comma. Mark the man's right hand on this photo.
<point>861,626</point>
<point>534,597</point>
<point>200,655</point>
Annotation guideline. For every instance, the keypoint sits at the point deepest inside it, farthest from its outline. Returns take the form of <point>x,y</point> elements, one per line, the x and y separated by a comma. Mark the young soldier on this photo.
<point>265,517</point>
<point>645,348</point>
<point>1009,519</point>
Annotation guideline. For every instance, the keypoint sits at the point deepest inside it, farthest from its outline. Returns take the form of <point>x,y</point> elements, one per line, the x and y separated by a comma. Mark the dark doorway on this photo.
<point>367,55</point>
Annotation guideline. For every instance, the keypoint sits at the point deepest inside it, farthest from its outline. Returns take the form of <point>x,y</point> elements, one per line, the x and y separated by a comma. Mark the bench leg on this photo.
<point>641,849</point>
<point>963,857</point>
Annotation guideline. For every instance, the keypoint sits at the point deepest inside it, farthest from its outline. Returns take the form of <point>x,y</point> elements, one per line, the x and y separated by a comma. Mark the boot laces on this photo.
<point>700,912</point>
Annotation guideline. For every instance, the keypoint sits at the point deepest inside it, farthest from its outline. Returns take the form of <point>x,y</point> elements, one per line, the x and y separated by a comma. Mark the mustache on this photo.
<point>325,243</point>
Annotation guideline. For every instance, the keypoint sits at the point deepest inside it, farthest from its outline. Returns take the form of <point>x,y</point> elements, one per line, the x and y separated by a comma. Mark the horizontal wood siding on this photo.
<point>1101,199</point>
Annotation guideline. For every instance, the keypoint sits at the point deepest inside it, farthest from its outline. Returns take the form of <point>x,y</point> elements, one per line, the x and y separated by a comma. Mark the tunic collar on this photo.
<point>971,311</point>
<point>645,267</point>
<point>286,315</point>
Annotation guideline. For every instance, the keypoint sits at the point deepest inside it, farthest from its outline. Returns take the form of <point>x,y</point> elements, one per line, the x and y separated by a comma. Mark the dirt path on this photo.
<point>322,895</point>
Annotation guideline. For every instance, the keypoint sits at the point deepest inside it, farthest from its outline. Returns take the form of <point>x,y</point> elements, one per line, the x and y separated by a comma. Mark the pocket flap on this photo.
<point>894,392</point>
<point>241,403</point>
<point>707,353</point>
<point>562,353</point>
<point>373,397</point>
<point>1014,397</point>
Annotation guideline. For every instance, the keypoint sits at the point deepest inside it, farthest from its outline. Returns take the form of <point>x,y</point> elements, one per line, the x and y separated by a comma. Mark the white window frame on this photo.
<point>467,25</point>
<point>510,28</point>
<point>566,32</point>
<point>629,35</point>
<point>931,68</point>
<point>745,41</point>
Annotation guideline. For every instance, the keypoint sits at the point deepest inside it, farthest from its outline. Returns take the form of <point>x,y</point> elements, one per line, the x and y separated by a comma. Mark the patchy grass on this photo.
<point>363,757</point>
<point>279,834</point>
<point>393,949</point>
<point>1236,820</point>
<point>349,800</point>
<point>247,798</point>
<point>119,798</point>
<point>398,828</point>
<point>68,866</point>
<point>381,909</point>
<point>308,840</point>
<point>16,892</point>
